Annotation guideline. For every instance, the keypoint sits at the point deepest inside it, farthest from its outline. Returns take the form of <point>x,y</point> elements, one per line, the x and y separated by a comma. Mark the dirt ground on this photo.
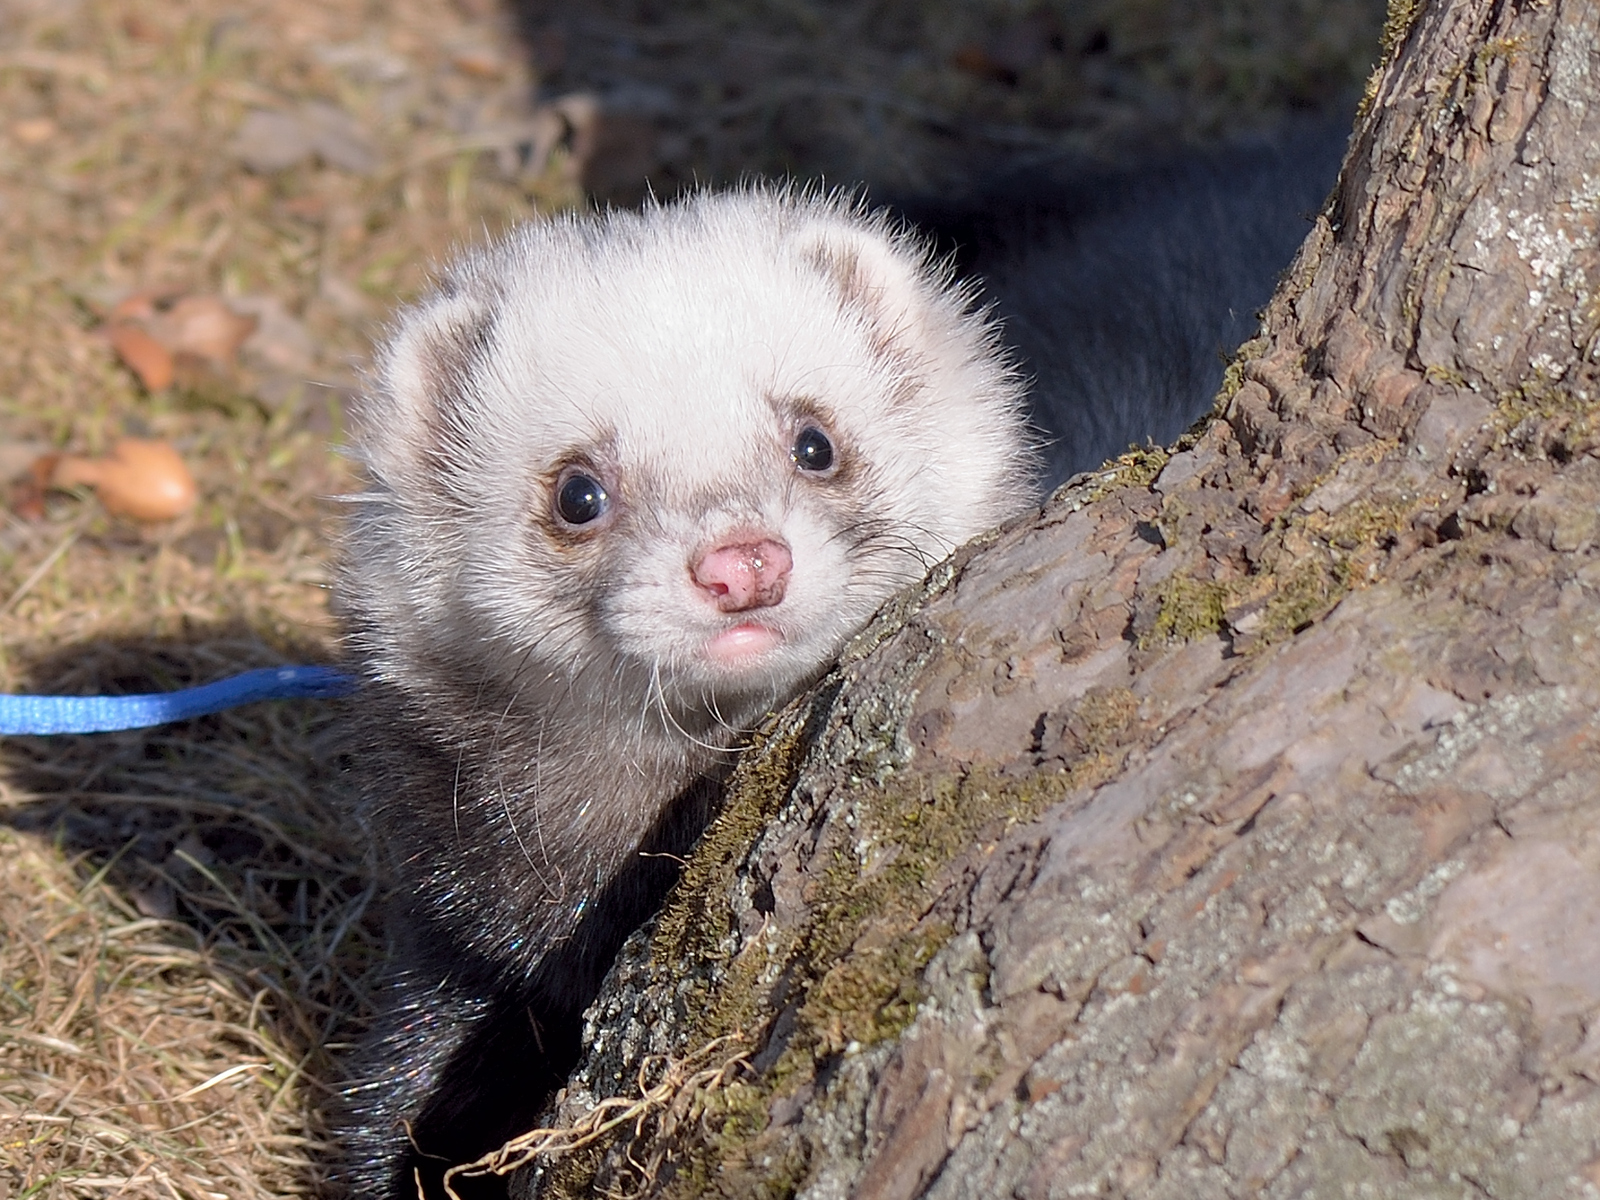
<point>187,926</point>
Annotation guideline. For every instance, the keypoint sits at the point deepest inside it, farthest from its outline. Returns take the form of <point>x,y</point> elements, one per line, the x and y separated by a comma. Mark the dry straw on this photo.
<point>681,1087</point>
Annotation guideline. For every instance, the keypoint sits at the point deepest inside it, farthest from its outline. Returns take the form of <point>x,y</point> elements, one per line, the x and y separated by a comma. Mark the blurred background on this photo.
<point>930,97</point>
<point>207,208</point>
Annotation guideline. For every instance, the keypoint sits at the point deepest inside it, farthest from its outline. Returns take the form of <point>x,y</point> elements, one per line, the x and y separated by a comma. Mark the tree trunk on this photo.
<point>1232,828</point>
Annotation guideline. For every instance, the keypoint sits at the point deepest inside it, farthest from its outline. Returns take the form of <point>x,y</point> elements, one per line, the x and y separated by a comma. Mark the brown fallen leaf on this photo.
<point>138,306</point>
<point>34,131</point>
<point>162,338</point>
<point>205,327</point>
<point>140,478</point>
<point>478,63</point>
<point>143,355</point>
<point>139,29</point>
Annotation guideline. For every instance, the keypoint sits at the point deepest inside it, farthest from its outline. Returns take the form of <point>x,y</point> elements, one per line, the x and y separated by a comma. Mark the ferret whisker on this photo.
<point>501,792</point>
<point>671,717</point>
<point>455,791</point>
<point>648,700</point>
<point>709,700</point>
<point>538,793</point>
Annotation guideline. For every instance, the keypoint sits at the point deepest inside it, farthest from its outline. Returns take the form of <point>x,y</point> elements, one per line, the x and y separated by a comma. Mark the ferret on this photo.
<point>633,480</point>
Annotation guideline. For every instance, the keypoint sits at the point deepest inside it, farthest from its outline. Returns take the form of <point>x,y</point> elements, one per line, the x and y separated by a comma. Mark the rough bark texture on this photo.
<point>1233,828</point>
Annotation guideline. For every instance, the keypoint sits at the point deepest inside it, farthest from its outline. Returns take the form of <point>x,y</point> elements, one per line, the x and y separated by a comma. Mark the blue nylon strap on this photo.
<point>100,714</point>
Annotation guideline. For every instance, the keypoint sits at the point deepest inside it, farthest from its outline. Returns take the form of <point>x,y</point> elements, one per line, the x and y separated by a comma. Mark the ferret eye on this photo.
<point>580,499</point>
<point>812,450</point>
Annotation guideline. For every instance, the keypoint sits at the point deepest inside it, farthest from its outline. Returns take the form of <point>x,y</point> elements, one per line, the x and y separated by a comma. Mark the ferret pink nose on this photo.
<point>744,575</point>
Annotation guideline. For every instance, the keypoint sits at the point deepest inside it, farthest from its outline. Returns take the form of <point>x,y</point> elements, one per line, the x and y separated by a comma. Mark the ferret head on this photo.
<point>688,451</point>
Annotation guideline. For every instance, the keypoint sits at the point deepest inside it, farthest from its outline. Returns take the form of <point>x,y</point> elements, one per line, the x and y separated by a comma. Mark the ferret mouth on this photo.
<point>744,643</point>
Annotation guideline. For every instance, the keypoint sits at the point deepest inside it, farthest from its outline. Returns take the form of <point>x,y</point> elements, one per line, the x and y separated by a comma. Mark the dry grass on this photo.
<point>135,1061</point>
<point>187,923</point>
<point>188,904</point>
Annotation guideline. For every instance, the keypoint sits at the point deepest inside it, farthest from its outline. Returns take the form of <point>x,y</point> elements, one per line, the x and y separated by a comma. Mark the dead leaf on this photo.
<point>34,131</point>
<point>205,327</point>
<point>138,306</point>
<point>165,339</point>
<point>143,355</point>
<point>479,63</point>
<point>280,341</point>
<point>142,479</point>
<point>338,138</point>
<point>268,142</point>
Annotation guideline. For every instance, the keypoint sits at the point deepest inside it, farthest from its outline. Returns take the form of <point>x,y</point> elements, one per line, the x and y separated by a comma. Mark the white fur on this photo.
<point>671,345</point>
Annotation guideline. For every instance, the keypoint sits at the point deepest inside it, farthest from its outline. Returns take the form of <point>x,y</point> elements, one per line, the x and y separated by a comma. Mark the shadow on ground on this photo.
<point>230,831</point>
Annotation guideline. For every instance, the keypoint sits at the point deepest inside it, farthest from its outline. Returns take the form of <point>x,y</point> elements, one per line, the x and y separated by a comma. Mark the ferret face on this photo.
<point>690,451</point>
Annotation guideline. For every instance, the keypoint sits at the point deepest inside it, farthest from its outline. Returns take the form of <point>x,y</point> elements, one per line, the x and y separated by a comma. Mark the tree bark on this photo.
<point>1233,827</point>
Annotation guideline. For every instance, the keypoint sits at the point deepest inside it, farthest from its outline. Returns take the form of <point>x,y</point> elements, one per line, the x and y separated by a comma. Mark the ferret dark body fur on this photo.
<point>549,702</point>
<point>1123,293</point>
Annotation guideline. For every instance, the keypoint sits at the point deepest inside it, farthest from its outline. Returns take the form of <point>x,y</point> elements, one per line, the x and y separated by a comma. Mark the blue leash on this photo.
<point>100,714</point>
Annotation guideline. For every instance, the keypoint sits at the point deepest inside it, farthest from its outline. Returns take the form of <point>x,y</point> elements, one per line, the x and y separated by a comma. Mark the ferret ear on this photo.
<point>882,277</point>
<point>418,418</point>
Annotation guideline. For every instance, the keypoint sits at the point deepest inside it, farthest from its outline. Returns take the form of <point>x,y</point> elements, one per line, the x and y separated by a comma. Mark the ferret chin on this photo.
<point>634,479</point>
